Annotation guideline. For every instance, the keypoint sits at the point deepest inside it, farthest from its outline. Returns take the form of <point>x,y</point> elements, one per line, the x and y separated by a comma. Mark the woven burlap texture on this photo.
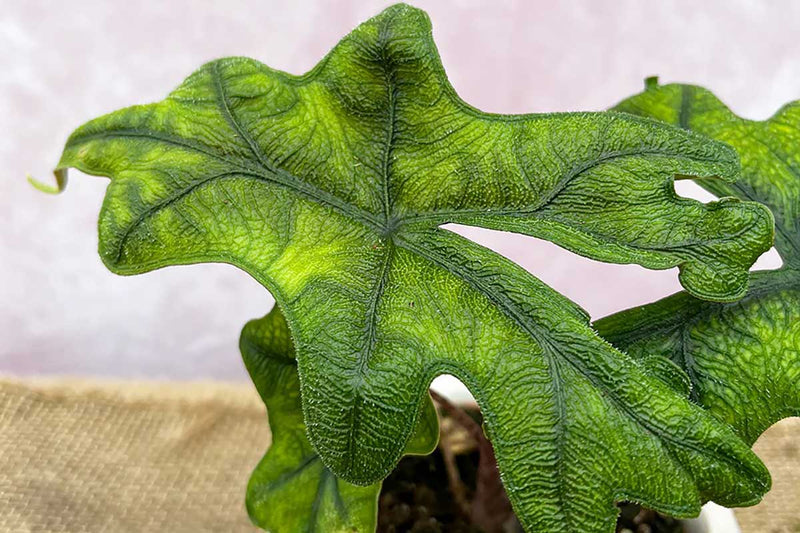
<point>132,457</point>
<point>779,511</point>
<point>118,458</point>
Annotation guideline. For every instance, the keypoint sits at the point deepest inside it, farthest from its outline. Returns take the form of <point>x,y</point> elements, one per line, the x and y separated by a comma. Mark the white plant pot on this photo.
<point>713,519</point>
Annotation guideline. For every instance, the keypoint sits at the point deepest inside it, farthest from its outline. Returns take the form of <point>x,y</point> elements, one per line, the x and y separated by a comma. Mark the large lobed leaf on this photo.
<point>329,188</point>
<point>291,490</point>
<point>743,358</point>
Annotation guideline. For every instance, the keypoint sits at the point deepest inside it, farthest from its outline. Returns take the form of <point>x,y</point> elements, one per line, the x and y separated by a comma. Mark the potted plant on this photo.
<point>331,188</point>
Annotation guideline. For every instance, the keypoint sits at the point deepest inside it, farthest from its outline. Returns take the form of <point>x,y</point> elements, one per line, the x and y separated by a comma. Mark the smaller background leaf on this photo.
<point>291,489</point>
<point>742,358</point>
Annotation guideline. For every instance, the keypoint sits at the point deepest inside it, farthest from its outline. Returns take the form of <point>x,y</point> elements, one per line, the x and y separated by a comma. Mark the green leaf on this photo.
<point>743,358</point>
<point>291,490</point>
<point>330,189</point>
<point>668,372</point>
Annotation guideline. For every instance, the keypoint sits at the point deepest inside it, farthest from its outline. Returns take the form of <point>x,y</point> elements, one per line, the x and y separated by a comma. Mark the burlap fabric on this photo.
<point>118,458</point>
<point>127,457</point>
<point>779,511</point>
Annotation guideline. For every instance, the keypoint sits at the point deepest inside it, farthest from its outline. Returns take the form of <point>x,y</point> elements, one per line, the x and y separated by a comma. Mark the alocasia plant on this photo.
<point>742,358</point>
<point>291,490</point>
<point>331,188</point>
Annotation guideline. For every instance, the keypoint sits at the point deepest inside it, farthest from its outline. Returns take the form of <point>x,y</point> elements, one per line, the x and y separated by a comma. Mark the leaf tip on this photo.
<point>61,182</point>
<point>703,282</point>
<point>650,82</point>
<point>402,15</point>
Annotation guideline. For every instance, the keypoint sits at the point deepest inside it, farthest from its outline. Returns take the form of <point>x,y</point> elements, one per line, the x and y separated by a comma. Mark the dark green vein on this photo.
<point>288,476</point>
<point>370,339</point>
<point>278,176</point>
<point>445,216</point>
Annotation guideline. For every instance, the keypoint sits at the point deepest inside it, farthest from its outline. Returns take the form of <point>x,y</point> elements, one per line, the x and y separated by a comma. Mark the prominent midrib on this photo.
<point>277,176</point>
<point>449,215</point>
<point>389,145</point>
<point>687,93</point>
<point>370,328</point>
<point>370,339</point>
<point>325,477</point>
<point>288,476</point>
<point>163,204</point>
<point>329,199</point>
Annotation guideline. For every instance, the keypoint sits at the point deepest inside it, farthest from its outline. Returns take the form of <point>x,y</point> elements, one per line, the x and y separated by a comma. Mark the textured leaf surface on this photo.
<point>742,358</point>
<point>291,490</point>
<point>329,188</point>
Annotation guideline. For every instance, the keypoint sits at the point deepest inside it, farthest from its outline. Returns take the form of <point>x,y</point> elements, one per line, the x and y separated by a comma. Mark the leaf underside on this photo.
<point>291,490</point>
<point>330,189</point>
<point>743,358</point>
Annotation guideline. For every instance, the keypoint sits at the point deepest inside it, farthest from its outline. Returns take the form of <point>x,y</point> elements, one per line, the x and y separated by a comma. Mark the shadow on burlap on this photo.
<point>81,457</point>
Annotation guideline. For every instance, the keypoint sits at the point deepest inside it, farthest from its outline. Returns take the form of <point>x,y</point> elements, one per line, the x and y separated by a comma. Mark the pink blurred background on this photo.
<point>64,63</point>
